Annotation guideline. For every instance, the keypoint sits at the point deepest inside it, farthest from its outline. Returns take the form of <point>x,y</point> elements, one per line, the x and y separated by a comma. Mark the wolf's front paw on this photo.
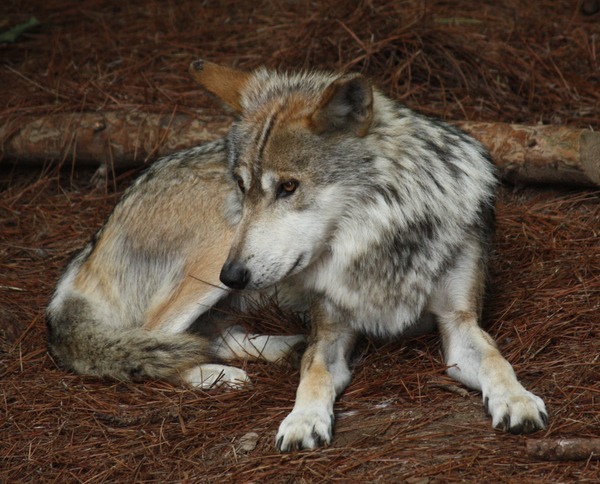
<point>518,413</point>
<point>305,429</point>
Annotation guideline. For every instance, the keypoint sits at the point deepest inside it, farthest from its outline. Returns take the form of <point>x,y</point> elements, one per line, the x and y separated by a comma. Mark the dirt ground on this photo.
<point>401,419</point>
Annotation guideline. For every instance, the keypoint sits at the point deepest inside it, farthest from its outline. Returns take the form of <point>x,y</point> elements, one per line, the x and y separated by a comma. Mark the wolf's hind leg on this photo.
<point>472,354</point>
<point>175,312</point>
<point>234,343</point>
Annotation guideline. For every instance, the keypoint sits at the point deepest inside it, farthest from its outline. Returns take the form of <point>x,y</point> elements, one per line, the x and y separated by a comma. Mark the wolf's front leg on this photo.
<point>476,362</point>
<point>473,356</point>
<point>324,374</point>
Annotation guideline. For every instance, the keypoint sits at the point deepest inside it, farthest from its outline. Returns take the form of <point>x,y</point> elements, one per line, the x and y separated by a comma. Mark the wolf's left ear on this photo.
<point>346,105</point>
<point>224,82</point>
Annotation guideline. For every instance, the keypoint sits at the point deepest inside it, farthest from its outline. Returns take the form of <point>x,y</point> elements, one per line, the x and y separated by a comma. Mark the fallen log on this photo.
<point>541,154</point>
<point>122,139</point>
<point>564,449</point>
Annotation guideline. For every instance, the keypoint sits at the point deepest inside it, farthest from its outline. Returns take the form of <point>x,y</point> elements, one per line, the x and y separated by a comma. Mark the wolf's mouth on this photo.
<point>296,264</point>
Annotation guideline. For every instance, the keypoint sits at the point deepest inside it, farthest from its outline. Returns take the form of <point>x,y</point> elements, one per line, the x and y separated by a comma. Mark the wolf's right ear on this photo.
<point>346,105</point>
<point>224,82</point>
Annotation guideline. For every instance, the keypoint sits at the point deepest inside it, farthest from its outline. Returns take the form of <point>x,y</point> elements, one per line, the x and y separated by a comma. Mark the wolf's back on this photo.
<point>109,315</point>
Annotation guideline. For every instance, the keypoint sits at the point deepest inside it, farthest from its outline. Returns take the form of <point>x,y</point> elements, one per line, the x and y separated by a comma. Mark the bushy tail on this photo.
<point>90,347</point>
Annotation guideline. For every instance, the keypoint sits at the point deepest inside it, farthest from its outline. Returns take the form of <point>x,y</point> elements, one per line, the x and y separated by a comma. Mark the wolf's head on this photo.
<point>293,151</point>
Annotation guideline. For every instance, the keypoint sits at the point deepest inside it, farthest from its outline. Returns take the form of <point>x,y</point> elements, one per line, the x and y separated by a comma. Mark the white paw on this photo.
<point>305,429</point>
<point>210,376</point>
<point>519,412</point>
<point>237,343</point>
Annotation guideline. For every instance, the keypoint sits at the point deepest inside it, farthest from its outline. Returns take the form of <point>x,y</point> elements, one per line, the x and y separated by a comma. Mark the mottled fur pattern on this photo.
<point>378,215</point>
<point>125,303</point>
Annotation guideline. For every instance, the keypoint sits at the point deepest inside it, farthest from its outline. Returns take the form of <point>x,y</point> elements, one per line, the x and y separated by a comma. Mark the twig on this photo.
<point>564,449</point>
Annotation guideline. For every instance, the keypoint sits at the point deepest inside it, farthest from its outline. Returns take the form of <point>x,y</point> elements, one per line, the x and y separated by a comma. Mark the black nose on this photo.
<point>235,275</point>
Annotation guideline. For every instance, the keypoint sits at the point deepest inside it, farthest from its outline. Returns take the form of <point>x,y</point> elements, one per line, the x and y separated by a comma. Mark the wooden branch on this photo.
<point>524,154</point>
<point>541,154</point>
<point>121,138</point>
<point>564,449</point>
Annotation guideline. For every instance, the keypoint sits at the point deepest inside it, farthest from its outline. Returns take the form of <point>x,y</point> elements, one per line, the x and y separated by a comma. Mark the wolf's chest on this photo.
<point>370,302</point>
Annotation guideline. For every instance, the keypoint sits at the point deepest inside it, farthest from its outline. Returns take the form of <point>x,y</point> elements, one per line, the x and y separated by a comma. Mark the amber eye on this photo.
<point>240,183</point>
<point>286,188</point>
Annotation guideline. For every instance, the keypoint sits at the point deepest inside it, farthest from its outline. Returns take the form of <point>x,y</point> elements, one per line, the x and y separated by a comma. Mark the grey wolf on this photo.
<point>378,215</point>
<point>135,302</point>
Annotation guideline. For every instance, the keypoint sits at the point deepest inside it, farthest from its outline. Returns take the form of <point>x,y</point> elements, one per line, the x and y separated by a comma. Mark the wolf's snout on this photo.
<point>235,275</point>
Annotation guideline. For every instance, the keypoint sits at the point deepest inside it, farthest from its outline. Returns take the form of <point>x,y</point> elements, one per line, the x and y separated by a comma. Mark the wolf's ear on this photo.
<point>346,105</point>
<point>224,82</point>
